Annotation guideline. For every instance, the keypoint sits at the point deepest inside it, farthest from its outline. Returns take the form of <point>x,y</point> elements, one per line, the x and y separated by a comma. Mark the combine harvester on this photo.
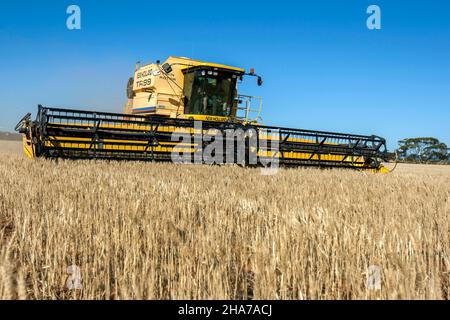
<point>173,97</point>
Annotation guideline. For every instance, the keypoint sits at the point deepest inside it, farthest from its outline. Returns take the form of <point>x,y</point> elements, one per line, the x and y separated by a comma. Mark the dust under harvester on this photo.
<point>174,97</point>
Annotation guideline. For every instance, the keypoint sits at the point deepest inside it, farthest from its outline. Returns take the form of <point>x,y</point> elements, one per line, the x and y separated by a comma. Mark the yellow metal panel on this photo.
<point>198,63</point>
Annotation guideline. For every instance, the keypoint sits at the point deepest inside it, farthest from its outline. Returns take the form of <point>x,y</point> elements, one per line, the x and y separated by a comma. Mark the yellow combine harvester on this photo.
<point>196,101</point>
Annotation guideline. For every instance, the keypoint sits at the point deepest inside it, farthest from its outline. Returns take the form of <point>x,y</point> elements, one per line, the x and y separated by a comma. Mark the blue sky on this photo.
<point>322,68</point>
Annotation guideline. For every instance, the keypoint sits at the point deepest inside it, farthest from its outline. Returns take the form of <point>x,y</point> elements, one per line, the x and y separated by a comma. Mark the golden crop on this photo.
<point>163,231</point>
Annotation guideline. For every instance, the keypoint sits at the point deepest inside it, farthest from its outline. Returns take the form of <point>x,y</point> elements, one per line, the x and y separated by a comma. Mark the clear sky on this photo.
<point>322,67</point>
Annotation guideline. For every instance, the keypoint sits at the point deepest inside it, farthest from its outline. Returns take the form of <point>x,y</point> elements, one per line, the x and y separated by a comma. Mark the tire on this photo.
<point>130,92</point>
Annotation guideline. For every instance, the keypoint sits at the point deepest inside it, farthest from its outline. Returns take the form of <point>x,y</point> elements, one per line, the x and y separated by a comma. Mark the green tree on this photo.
<point>423,149</point>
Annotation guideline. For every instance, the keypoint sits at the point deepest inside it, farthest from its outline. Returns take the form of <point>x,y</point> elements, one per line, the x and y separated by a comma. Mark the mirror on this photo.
<point>260,82</point>
<point>167,68</point>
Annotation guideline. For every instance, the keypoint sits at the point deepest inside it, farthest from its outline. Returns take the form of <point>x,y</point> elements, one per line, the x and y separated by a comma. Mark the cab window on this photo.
<point>209,92</point>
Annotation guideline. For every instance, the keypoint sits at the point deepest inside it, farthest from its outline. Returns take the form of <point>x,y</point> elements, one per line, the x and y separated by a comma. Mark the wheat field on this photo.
<point>160,231</point>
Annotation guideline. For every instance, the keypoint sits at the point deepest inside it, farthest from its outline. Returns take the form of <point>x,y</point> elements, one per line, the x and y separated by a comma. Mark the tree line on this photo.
<point>421,150</point>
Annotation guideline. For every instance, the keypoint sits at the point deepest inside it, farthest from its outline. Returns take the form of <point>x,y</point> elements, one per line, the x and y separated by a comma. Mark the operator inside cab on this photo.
<point>209,91</point>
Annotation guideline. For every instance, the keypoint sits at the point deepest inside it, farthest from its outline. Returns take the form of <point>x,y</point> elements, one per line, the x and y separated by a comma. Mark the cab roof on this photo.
<point>197,63</point>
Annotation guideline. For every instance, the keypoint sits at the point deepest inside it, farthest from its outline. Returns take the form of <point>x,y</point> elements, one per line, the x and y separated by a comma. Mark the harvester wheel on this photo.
<point>130,92</point>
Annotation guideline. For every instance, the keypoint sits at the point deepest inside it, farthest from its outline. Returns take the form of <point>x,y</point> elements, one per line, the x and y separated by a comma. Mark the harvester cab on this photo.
<point>172,98</point>
<point>190,89</point>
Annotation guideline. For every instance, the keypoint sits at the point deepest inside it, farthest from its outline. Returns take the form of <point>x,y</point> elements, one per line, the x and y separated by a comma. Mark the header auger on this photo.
<point>182,107</point>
